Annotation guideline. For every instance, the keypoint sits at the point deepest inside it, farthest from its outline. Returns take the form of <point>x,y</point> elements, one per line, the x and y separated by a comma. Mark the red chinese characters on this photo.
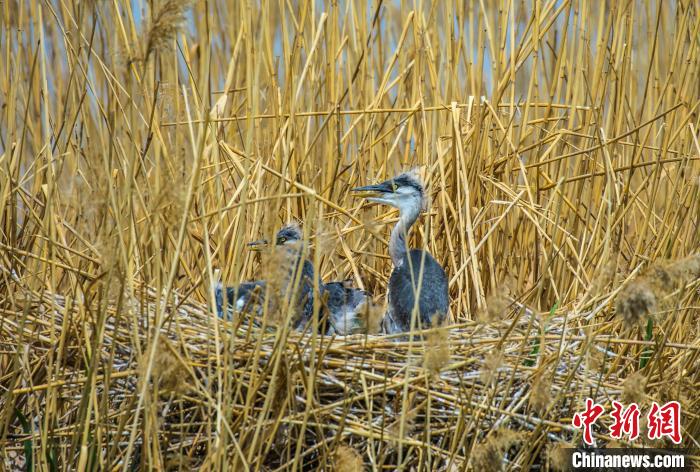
<point>587,419</point>
<point>665,421</point>
<point>625,421</point>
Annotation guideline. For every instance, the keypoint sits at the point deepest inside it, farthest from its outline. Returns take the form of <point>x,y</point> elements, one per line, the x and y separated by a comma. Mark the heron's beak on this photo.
<point>375,193</point>
<point>373,190</point>
<point>258,245</point>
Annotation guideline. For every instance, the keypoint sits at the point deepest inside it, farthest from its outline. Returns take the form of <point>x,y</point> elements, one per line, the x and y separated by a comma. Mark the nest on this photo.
<point>203,392</point>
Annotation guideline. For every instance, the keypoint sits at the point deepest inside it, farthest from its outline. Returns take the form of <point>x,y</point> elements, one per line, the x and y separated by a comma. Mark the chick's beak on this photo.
<point>258,245</point>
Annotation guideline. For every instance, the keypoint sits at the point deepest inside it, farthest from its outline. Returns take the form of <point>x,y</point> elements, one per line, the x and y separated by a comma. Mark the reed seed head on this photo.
<point>633,388</point>
<point>636,303</point>
<point>540,394</point>
<point>347,459</point>
<point>558,455</point>
<point>167,370</point>
<point>437,350</point>
<point>489,371</point>
<point>165,24</point>
<point>489,454</point>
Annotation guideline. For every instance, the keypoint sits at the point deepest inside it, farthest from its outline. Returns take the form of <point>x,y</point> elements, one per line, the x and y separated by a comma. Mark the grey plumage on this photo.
<point>243,297</point>
<point>416,273</point>
<point>433,301</point>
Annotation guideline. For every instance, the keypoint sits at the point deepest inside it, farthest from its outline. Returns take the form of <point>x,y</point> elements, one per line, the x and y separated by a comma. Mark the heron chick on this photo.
<point>288,281</point>
<point>418,283</point>
<point>289,278</point>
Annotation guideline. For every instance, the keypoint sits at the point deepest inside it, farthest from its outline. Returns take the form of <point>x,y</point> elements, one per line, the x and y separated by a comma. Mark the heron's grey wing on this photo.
<point>333,296</point>
<point>434,301</point>
<point>238,298</point>
<point>403,284</point>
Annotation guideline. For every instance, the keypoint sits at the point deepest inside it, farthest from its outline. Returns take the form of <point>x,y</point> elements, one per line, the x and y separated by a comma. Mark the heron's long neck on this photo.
<point>397,244</point>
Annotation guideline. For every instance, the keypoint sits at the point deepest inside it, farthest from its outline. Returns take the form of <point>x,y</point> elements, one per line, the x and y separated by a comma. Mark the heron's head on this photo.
<point>404,192</point>
<point>289,235</point>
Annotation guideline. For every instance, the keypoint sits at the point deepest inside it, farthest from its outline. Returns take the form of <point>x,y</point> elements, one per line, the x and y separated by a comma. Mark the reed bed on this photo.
<point>142,145</point>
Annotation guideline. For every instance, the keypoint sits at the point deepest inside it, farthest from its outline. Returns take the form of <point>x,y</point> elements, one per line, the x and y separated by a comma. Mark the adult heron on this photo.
<point>418,282</point>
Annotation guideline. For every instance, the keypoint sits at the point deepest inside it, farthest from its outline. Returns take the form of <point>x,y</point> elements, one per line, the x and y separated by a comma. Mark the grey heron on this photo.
<point>418,282</point>
<point>342,306</point>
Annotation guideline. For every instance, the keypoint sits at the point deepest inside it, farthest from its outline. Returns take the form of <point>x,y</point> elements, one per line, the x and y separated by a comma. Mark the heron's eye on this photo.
<point>282,240</point>
<point>394,186</point>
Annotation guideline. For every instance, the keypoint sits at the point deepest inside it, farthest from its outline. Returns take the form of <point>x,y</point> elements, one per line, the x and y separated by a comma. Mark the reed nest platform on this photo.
<point>224,392</point>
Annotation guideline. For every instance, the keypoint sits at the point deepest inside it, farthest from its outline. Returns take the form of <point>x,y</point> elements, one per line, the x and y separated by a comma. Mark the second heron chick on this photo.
<point>351,310</point>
